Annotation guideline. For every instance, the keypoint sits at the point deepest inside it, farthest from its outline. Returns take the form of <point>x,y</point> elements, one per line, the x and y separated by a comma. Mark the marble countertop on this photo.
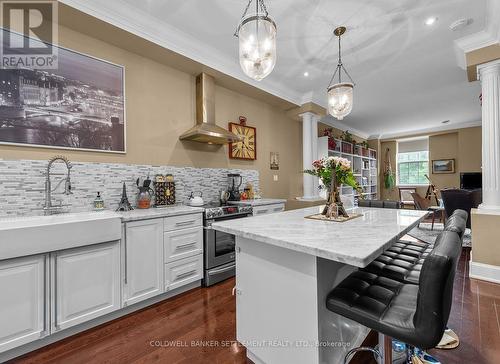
<point>356,242</point>
<point>259,202</point>
<point>153,212</point>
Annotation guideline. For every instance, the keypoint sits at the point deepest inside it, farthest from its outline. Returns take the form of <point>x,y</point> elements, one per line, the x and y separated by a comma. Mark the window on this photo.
<point>412,168</point>
<point>413,161</point>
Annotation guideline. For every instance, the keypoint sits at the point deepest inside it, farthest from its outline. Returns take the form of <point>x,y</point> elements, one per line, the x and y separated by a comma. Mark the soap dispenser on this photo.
<point>98,202</point>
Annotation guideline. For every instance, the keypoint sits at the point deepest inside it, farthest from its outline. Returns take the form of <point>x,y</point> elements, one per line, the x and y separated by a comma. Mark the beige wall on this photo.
<point>160,102</point>
<point>486,229</point>
<point>463,145</point>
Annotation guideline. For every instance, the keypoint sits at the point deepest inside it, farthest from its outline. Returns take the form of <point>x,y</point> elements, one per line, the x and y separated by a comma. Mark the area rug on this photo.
<point>424,233</point>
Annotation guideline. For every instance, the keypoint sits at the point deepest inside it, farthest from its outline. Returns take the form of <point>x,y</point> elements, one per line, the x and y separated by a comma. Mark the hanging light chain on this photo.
<point>259,4</point>
<point>340,67</point>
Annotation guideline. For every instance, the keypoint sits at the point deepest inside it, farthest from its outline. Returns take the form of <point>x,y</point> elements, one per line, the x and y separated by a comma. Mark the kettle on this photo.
<point>196,200</point>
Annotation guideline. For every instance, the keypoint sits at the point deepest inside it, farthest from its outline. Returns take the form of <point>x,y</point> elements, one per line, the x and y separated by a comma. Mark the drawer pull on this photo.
<point>185,223</point>
<point>186,245</point>
<point>261,211</point>
<point>185,274</point>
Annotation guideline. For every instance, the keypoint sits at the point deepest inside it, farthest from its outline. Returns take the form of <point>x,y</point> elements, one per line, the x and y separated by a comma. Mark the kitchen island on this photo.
<point>286,265</point>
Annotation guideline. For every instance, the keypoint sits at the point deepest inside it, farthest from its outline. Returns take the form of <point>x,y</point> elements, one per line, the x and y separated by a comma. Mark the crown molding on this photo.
<point>471,43</point>
<point>328,120</point>
<point>484,38</point>
<point>138,22</point>
<point>411,133</point>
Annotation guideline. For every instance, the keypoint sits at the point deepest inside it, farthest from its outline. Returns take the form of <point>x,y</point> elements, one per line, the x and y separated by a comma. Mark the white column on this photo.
<point>309,153</point>
<point>489,74</point>
<point>314,135</point>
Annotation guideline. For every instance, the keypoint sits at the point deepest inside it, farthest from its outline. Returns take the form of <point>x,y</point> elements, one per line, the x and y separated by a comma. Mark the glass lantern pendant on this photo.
<point>257,42</point>
<point>340,94</point>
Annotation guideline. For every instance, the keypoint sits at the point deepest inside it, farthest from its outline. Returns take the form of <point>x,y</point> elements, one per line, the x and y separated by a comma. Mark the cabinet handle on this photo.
<point>125,255</point>
<point>55,291</point>
<point>45,298</point>
<point>184,223</point>
<point>185,274</point>
<point>186,245</point>
<point>261,212</point>
<point>233,291</point>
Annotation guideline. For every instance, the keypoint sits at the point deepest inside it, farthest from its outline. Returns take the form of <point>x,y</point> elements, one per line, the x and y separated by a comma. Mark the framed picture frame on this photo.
<point>79,105</point>
<point>443,166</point>
<point>274,161</point>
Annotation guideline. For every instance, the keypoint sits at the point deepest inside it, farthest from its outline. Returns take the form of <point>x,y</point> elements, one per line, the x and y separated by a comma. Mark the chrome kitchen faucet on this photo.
<point>48,207</point>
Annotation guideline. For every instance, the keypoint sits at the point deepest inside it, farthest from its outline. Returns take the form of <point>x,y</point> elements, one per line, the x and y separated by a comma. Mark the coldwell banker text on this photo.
<point>29,30</point>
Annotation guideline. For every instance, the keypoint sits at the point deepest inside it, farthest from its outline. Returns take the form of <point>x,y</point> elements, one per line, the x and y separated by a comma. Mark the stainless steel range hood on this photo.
<point>205,130</point>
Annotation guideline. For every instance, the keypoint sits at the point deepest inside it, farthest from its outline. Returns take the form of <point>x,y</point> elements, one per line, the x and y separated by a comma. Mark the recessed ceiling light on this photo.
<point>431,20</point>
<point>306,74</point>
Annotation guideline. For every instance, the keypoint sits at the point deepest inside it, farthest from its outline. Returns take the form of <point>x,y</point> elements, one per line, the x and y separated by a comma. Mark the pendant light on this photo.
<point>340,94</point>
<point>257,41</point>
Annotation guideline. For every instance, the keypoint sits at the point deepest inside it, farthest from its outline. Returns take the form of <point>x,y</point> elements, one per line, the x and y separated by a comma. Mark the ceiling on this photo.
<point>406,74</point>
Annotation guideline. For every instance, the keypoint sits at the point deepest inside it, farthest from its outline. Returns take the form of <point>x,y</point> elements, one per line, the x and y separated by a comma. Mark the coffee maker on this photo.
<point>234,181</point>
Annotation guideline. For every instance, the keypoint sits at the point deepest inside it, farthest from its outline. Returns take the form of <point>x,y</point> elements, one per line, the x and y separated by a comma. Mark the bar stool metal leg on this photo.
<point>361,348</point>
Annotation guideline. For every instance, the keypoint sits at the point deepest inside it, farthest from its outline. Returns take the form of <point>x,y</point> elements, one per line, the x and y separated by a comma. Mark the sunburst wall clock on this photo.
<point>246,148</point>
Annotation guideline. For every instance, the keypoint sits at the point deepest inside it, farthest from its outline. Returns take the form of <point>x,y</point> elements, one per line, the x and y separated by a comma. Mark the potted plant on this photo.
<point>364,148</point>
<point>333,172</point>
<point>349,141</point>
<point>331,139</point>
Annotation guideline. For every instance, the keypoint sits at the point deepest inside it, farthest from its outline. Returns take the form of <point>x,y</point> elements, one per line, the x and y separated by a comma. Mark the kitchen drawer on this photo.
<point>182,272</point>
<point>260,210</point>
<point>179,244</point>
<point>183,222</point>
<point>268,209</point>
<point>276,208</point>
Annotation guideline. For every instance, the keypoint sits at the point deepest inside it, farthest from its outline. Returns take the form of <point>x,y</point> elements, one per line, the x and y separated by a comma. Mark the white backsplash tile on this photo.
<point>22,183</point>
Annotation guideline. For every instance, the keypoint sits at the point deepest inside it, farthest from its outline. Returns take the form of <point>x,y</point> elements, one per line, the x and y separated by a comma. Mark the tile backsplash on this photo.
<point>22,183</point>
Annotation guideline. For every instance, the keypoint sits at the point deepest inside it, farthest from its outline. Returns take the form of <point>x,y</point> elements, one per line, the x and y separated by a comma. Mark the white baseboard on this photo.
<point>485,272</point>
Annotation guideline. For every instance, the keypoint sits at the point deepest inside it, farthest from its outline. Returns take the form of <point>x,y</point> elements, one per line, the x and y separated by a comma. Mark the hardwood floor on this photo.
<point>207,315</point>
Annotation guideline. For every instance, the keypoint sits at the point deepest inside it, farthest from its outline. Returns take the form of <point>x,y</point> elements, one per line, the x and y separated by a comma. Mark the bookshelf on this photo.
<point>363,162</point>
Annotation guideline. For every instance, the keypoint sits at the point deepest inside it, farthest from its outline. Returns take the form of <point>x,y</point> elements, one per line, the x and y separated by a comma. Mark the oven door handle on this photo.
<point>221,270</point>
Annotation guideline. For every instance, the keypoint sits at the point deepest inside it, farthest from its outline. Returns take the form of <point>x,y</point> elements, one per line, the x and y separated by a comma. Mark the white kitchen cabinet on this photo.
<point>182,272</point>
<point>179,244</point>
<point>23,308</point>
<point>183,221</point>
<point>143,260</point>
<point>85,283</point>
<point>268,209</point>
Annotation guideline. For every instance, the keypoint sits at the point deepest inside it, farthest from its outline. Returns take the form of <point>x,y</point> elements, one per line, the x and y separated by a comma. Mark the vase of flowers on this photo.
<point>334,172</point>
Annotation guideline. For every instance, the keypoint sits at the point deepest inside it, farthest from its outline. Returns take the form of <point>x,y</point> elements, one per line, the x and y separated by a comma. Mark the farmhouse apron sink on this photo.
<point>21,236</point>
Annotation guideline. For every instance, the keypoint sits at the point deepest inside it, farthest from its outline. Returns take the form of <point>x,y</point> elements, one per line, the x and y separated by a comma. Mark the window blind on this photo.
<point>413,145</point>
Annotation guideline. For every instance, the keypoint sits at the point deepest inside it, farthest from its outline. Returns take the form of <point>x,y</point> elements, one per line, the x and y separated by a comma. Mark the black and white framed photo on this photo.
<point>80,104</point>
<point>441,166</point>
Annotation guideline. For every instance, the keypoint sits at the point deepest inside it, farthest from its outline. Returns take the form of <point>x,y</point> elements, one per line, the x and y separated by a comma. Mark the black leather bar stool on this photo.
<point>406,265</point>
<point>415,314</point>
<point>403,261</point>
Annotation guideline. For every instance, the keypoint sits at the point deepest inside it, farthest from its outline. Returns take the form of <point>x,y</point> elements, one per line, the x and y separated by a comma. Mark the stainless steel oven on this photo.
<point>219,249</point>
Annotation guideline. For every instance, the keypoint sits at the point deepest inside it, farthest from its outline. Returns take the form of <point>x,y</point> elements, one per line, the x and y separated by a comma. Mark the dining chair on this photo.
<point>405,196</point>
<point>425,204</point>
<point>461,199</point>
